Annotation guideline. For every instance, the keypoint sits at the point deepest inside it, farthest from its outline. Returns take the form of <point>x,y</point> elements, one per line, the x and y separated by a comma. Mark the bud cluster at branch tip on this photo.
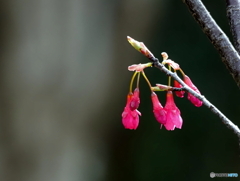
<point>169,116</point>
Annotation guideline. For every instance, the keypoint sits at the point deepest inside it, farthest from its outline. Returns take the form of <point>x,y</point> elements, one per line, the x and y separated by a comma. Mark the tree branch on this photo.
<point>217,37</point>
<point>233,14</point>
<point>224,119</point>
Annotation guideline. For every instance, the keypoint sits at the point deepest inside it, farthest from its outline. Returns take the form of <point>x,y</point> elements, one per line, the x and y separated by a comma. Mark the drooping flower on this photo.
<point>158,110</point>
<point>178,85</point>
<point>130,118</point>
<point>135,101</point>
<point>173,117</point>
<point>192,98</point>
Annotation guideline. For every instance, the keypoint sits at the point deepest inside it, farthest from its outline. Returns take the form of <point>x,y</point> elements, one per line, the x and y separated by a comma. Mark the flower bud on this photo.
<point>139,46</point>
<point>135,101</point>
<point>192,98</point>
<point>178,85</point>
<point>159,112</point>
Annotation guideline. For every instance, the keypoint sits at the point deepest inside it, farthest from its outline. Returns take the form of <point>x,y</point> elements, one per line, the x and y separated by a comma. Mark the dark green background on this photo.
<point>204,144</point>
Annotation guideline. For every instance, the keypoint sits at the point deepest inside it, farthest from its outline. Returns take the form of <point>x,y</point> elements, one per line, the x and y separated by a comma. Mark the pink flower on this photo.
<point>178,85</point>
<point>130,118</point>
<point>192,98</point>
<point>135,101</point>
<point>159,112</point>
<point>173,117</point>
<point>169,116</point>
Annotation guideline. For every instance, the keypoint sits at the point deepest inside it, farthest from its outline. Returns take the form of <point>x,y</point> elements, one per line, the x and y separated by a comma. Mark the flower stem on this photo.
<point>131,83</point>
<point>150,86</point>
<point>138,78</point>
<point>182,72</point>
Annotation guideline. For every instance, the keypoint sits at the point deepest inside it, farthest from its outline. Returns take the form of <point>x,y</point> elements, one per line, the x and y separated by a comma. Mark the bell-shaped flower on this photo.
<point>173,117</point>
<point>135,101</point>
<point>130,118</point>
<point>178,85</point>
<point>158,110</point>
<point>192,98</point>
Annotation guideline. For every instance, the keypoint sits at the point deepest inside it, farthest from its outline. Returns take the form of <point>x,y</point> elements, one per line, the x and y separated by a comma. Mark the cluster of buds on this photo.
<point>169,115</point>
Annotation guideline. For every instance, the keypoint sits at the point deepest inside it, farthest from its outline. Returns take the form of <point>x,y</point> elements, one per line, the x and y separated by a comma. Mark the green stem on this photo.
<point>150,86</point>
<point>131,83</point>
<point>138,78</point>
<point>182,72</point>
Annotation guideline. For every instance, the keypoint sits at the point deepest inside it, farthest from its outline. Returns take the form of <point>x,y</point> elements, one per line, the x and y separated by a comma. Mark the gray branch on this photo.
<point>233,14</point>
<point>224,119</point>
<point>217,37</point>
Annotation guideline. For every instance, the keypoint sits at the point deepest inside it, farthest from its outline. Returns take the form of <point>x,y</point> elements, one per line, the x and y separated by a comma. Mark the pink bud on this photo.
<point>159,112</point>
<point>135,101</point>
<point>173,64</point>
<point>163,87</point>
<point>192,98</point>
<point>139,67</point>
<point>136,67</point>
<point>164,55</point>
<point>140,47</point>
<point>178,85</point>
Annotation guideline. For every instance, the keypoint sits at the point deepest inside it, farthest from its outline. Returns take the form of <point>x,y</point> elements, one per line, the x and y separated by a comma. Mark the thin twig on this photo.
<point>233,14</point>
<point>217,37</point>
<point>178,89</point>
<point>224,119</point>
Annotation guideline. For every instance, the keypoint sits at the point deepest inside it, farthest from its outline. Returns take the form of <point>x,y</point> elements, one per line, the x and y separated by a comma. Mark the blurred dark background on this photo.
<point>63,87</point>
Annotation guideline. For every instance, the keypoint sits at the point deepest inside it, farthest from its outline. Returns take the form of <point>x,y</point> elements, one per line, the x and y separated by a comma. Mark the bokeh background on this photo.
<point>63,87</point>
